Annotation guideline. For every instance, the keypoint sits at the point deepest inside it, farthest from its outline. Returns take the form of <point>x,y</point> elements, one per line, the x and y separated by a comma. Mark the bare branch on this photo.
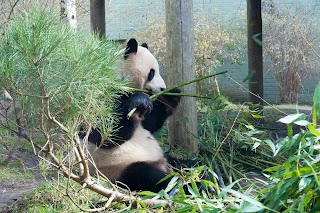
<point>12,9</point>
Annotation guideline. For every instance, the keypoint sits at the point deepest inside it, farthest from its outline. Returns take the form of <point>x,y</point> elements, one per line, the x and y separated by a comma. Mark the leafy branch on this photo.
<point>63,80</point>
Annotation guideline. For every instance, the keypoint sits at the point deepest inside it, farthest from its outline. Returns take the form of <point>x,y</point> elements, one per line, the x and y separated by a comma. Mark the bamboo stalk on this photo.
<point>190,95</point>
<point>248,163</point>
<point>172,94</point>
<point>154,96</point>
<point>186,83</point>
<point>264,161</point>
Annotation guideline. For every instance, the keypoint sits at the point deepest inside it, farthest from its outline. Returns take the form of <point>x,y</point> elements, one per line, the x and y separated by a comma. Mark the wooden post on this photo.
<point>181,68</point>
<point>98,17</point>
<point>255,60</point>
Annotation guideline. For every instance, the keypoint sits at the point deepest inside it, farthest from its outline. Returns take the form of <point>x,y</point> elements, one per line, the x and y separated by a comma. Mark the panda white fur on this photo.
<point>133,156</point>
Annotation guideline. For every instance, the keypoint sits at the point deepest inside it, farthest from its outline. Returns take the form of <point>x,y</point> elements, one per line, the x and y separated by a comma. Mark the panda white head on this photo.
<point>141,68</point>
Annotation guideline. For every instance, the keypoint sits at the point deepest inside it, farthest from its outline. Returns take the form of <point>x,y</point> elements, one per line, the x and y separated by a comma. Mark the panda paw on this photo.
<point>142,103</point>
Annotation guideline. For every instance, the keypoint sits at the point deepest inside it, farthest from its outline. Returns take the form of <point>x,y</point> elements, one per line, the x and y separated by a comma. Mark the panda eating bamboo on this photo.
<point>134,156</point>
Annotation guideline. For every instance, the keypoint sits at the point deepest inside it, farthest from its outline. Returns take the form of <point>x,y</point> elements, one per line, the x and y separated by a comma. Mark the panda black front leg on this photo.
<point>163,107</point>
<point>171,101</point>
<point>127,125</point>
<point>142,103</point>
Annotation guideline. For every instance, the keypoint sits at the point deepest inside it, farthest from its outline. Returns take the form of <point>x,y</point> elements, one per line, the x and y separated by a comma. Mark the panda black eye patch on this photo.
<point>151,74</point>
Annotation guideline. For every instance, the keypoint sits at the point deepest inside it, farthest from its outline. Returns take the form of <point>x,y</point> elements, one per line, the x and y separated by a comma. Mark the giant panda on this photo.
<point>133,156</point>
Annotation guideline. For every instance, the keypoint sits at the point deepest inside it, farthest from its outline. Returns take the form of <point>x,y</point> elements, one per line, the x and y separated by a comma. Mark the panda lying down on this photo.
<point>134,156</point>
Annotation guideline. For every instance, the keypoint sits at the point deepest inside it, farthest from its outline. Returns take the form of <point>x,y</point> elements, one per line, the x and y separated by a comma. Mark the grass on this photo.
<point>48,198</point>
<point>54,196</point>
<point>14,174</point>
<point>15,168</point>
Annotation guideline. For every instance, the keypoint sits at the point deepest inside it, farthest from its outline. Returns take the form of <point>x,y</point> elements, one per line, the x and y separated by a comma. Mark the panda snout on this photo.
<point>149,90</point>
<point>155,86</point>
<point>153,90</point>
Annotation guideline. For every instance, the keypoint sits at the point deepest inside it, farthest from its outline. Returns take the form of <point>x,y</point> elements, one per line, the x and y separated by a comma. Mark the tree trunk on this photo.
<point>255,60</point>
<point>181,68</point>
<point>98,17</point>
<point>68,12</point>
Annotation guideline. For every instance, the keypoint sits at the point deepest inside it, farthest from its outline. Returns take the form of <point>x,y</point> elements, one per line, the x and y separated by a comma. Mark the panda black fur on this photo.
<point>134,156</point>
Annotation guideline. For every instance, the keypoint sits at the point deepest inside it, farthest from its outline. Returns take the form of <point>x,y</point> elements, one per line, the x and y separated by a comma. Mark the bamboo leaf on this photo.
<point>257,116</point>
<point>292,118</point>
<point>249,76</point>
<point>173,182</point>
<point>302,123</point>
<point>192,191</point>
<point>307,198</point>
<point>290,130</point>
<point>271,145</point>
<point>257,39</point>
<point>246,198</point>
<point>250,208</point>
<point>168,176</point>
<point>148,193</point>
<point>256,145</point>
<point>182,192</point>
<point>316,105</point>
<point>304,171</point>
<point>313,130</point>
<point>195,187</point>
<point>272,169</point>
<point>304,182</point>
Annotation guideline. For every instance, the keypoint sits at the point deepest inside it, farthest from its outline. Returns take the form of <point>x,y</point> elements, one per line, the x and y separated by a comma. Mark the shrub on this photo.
<point>289,37</point>
<point>62,79</point>
<point>49,68</point>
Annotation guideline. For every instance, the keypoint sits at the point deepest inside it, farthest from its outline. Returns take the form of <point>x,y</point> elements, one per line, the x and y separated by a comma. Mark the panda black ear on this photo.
<point>144,44</point>
<point>132,47</point>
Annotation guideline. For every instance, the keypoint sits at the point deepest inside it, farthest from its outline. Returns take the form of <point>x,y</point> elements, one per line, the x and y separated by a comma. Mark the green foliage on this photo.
<point>295,183</point>
<point>228,135</point>
<point>13,173</point>
<point>316,105</point>
<point>49,68</point>
<point>203,195</point>
<point>295,172</point>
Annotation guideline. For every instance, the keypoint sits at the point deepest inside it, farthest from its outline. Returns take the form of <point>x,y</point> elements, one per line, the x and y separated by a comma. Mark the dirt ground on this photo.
<point>12,191</point>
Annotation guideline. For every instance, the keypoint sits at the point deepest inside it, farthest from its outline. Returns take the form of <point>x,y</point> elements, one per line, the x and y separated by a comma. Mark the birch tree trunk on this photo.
<point>69,12</point>
<point>181,68</point>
